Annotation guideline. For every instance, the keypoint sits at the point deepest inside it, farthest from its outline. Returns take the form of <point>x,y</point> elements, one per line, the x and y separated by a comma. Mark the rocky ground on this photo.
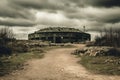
<point>97,51</point>
<point>58,64</point>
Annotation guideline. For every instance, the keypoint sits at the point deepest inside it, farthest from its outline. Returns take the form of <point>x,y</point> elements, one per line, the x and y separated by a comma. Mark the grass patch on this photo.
<point>16,62</point>
<point>107,65</point>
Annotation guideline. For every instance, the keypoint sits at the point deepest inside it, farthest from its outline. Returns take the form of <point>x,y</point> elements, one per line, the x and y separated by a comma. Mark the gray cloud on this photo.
<point>103,3</point>
<point>40,4</point>
<point>16,22</point>
<point>97,3</point>
<point>8,9</point>
<point>104,15</point>
<point>94,14</point>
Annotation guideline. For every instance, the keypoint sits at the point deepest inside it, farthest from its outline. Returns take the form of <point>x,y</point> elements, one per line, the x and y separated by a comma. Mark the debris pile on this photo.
<point>97,51</point>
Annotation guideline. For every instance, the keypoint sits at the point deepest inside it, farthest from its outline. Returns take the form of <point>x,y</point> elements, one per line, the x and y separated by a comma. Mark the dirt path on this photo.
<point>57,64</point>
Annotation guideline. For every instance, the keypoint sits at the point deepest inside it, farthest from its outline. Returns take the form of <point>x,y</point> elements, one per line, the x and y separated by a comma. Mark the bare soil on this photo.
<point>58,64</point>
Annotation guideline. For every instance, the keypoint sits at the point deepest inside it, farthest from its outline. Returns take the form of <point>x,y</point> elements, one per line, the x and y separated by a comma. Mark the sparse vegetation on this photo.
<point>109,65</point>
<point>109,37</point>
<point>100,60</point>
<point>6,36</point>
<point>16,62</point>
<point>14,53</point>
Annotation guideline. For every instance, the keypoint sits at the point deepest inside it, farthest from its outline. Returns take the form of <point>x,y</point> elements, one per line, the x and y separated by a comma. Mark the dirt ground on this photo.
<point>58,64</point>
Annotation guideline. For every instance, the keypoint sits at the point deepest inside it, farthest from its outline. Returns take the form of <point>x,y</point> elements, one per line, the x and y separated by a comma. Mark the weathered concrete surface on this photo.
<point>57,64</point>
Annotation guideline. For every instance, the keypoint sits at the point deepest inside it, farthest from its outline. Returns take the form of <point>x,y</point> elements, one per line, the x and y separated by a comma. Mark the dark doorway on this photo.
<point>50,39</point>
<point>58,40</point>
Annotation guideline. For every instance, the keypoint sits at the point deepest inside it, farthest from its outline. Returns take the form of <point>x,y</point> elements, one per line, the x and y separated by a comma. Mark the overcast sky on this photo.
<point>26,16</point>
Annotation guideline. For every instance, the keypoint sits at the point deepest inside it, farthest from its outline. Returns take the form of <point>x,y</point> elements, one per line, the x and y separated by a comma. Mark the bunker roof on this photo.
<point>58,29</point>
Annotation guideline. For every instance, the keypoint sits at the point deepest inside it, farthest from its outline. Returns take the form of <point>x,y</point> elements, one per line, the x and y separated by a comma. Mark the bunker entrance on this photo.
<point>50,39</point>
<point>58,40</point>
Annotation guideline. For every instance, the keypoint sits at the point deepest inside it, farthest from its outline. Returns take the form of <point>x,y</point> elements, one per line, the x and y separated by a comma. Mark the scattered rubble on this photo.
<point>22,46</point>
<point>97,51</point>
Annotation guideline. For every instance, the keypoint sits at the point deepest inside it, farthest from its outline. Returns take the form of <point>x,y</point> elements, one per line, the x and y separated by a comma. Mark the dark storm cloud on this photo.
<point>103,3</point>
<point>16,22</point>
<point>94,14</point>
<point>40,4</point>
<point>30,3</point>
<point>110,19</point>
<point>65,4</point>
<point>104,15</point>
<point>76,12</point>
<point>22,9</point>
<point>97,3</point>
<point>8,9</point>
<point>108,15</point>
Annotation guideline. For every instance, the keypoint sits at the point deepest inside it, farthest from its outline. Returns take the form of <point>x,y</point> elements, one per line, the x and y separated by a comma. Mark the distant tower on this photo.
<point>84,28</point>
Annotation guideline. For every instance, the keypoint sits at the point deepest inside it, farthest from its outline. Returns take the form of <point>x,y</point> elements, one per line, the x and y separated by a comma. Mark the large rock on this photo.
<point>98,51</point>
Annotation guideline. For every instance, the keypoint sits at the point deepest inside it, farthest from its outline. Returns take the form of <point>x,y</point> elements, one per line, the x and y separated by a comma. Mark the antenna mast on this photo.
<point>84,28</point>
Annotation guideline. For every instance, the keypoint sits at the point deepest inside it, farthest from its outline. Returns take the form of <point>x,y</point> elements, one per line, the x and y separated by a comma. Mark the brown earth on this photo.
<point>58,64</point>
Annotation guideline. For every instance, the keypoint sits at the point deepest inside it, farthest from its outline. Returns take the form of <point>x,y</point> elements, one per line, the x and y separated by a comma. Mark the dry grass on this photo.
<point>108,65</point>
<point>16,62</point>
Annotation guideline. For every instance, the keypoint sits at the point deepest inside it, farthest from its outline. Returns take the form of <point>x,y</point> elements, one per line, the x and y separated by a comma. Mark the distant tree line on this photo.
<point>108,37</point>
<point>6,36</point>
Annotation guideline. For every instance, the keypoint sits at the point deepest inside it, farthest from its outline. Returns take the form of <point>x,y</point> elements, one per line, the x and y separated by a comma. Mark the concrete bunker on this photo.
<point>60,35</point>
